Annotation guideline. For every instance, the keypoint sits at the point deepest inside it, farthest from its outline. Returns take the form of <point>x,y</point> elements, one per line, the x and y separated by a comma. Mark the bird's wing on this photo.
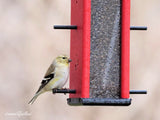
<point>50,70</point>
<point>45,81</point>
<point>48,76</point>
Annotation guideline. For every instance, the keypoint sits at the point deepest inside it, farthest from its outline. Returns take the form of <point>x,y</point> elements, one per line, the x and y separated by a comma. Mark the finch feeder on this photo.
<point>100,50</point>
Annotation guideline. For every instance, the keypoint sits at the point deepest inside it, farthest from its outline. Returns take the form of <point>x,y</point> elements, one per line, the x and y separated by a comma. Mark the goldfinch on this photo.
<point>55,77</point>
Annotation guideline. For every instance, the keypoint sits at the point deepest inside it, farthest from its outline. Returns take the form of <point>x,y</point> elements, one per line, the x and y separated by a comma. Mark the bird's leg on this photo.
<point>64,88</point>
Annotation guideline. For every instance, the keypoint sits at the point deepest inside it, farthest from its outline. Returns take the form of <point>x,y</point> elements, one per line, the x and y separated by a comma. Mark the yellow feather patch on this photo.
<point>52,82</point>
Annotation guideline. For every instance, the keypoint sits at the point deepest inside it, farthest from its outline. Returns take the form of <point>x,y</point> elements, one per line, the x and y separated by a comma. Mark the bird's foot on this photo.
<point>64,88</point>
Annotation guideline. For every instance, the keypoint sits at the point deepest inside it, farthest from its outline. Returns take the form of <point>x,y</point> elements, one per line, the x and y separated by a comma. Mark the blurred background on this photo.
<point>28,44</point>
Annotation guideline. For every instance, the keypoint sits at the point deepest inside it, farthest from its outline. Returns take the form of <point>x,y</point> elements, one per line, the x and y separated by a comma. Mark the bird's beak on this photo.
<point>69,60</point>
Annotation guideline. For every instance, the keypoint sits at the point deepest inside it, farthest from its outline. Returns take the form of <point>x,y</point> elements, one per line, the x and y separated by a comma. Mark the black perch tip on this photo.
<point>138,28</point>
<point>138,92</point>
<point>63,91</point>
<point>65,27</point>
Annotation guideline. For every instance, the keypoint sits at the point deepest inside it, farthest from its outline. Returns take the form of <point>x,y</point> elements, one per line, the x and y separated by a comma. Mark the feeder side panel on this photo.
<point>80,48</point>
<point>125,49</point>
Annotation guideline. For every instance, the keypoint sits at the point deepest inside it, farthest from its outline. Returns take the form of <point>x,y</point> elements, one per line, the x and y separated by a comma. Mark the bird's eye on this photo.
<point>63,57</point>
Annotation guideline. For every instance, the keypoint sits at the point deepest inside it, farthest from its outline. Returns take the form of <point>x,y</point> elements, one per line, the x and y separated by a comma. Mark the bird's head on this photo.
<point>63,60</point>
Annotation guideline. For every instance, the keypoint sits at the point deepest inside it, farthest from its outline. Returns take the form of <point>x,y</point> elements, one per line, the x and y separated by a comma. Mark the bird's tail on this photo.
<point>35,97</point>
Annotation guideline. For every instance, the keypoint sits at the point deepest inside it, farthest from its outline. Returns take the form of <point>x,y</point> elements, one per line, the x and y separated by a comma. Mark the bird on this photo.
<point>55,77</point>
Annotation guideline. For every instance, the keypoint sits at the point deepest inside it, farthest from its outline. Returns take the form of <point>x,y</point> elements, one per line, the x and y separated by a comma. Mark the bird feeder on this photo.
<point>100,52</point>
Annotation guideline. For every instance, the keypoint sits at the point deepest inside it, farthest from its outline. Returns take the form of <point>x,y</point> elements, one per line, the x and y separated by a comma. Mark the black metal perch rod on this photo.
<point>75,27</point>
<point>65,27</point>
<point>74,91</point>
<point>138,28</point>
<point>64,91</point>
<point>138,92</point>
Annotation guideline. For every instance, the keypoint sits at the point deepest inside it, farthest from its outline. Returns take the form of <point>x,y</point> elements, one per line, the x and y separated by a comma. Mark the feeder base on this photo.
<point>98,102</point>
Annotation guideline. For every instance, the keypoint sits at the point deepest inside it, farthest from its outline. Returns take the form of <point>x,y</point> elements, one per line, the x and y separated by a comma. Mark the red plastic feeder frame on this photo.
<point>80,55</point>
